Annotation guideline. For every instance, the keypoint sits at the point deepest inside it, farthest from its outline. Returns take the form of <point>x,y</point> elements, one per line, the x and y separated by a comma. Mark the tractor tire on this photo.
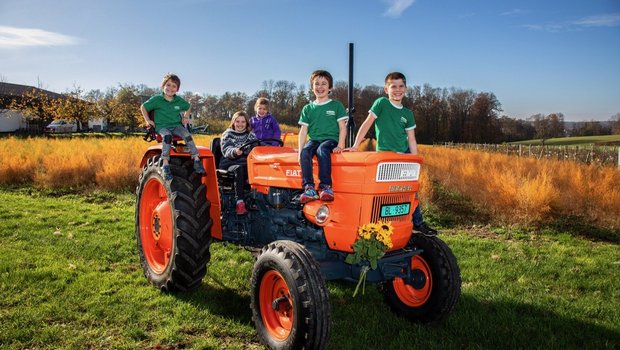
<point>173,225</point>
<point>436,286</point>
<point>290,302</point>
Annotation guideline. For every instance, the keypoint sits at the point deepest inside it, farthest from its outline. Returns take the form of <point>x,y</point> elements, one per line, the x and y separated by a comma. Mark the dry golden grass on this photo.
<point>526,190</point>
<point>512,190</point>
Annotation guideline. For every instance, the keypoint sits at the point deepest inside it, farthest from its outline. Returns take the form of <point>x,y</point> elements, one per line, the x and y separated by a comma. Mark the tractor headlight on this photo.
<point>322,214</point>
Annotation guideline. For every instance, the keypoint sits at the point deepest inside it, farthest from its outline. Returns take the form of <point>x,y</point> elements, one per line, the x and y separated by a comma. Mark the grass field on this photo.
<point>574,141</point>
<point>70,279</point>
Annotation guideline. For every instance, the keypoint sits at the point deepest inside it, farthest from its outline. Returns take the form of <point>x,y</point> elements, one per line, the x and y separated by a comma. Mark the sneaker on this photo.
<point>327,194</point>
<point>240,208</point>
<point>426,230</point>
<point>198,167</point>
<point>308,195</point>
<point>167,172</point>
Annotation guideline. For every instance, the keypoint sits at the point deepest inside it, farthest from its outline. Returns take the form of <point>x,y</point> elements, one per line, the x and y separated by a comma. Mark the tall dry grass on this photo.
<point>512,190</point>
<point>529,191</point>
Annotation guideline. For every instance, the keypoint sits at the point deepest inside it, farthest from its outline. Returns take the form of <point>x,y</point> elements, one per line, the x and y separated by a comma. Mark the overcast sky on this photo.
<point>535,56</point>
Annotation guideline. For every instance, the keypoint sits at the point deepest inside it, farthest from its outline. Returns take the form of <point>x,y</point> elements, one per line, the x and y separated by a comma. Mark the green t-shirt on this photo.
<point>391,125</point>
<point>322,119</point>
<point>166,112</point>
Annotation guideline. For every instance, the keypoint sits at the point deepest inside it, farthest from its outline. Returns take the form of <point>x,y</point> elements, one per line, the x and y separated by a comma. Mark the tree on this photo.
<point>615,124</point>
<point>126,107</point>
<point>35,105</point>
<point>459,104</point>
<point>73,108</point>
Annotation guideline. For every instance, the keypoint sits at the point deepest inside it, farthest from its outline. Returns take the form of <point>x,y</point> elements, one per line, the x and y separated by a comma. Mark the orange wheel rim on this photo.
<point>276,305</point>
<point>415,296</point>
<point>156,225</point>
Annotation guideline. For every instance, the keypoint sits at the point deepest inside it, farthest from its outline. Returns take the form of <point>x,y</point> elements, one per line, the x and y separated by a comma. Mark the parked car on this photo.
<point>60,126</point>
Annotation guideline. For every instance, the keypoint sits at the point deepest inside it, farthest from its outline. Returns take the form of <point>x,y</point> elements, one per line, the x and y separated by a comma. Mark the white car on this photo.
<point>60,126</point>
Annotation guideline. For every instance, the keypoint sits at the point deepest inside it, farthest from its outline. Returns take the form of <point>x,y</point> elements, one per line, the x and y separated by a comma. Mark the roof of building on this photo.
<point>10,90</point>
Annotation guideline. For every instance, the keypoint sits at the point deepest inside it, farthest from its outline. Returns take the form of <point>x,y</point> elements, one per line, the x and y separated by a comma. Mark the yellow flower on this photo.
<point>365,252</point>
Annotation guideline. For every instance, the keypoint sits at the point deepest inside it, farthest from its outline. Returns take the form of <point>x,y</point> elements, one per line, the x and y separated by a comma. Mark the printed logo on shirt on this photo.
<point>177,107</point>
<point>403,120</point>
<point>332,113</point>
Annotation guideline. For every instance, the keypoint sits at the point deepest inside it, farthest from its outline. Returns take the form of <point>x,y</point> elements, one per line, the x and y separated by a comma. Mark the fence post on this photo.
<point>618,157</point>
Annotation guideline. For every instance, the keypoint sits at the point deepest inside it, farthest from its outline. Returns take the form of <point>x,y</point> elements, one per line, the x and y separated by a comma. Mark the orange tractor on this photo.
<point>302,246</point>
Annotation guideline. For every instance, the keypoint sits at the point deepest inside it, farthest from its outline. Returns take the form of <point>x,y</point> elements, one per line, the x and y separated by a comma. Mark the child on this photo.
<point>167,107</point>
<point>264,125</point>
<point>324,122</point>
<point>238,133</point>
<point>395,129</point>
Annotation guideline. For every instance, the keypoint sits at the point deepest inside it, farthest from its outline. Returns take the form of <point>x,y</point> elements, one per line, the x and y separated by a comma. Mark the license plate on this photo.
<point>395,209</point>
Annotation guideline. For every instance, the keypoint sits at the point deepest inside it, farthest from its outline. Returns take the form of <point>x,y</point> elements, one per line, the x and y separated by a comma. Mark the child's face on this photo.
<point>320,87</point>
<point>396,90</point>
<point>170,88</point>
<point>240,124</point>
<point>262,110</point>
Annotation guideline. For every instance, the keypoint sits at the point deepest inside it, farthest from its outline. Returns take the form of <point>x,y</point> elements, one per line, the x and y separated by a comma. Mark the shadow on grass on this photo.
<point>220,300</point>
<point>368,324</point>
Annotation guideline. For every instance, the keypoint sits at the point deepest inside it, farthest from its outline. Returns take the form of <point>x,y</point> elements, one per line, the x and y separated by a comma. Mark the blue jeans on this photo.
<point>417,214</point>
<point>323,151</point>
<point>166,135</point>
<point>418,219</point>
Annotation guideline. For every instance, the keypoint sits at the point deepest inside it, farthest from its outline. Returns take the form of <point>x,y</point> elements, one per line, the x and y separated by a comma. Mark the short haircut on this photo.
<point>395,76</point>
<point>245,116</point>
<point>261,101</point>
<point>173,77</point>
<point>322,73</point>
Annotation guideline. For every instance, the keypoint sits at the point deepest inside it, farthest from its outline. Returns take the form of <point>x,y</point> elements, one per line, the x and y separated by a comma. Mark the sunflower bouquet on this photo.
<point>374,239</point>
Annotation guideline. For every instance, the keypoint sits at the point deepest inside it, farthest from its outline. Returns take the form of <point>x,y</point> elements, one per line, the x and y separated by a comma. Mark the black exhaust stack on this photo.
<point>351,108</point>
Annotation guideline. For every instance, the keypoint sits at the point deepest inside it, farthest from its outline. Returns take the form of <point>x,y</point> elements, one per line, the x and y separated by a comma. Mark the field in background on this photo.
<point>571,141</point>
<point>508,190</point>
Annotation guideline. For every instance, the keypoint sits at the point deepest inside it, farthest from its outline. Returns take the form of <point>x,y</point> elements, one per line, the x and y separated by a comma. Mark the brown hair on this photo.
<point>245,116</point>
<point>261,101</point>
<point>322,73</point>
<point>173,77</point>
<point>395,76</point>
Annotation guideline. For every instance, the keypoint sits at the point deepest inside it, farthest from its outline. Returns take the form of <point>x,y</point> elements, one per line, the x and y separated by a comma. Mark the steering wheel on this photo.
<point>263,142</point>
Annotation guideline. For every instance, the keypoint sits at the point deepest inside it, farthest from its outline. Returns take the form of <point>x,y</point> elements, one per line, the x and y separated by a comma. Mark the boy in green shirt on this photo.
<point>324,121</point>
<point>395,129</point>
<point>167,106</point>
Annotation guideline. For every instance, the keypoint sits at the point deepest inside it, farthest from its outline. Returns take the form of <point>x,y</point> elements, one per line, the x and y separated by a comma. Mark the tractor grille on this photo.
<point>398,172</point>
<point>378,201</point>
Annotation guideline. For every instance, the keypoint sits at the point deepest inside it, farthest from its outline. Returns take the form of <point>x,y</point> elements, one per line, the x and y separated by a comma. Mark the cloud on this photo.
<point>514,12</point>
<point>397,7</point>
<point>13,37</point>
<point>608,20</point>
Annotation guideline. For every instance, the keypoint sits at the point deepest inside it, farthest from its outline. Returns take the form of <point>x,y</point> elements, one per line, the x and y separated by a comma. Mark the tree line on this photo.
<point>442,115</point>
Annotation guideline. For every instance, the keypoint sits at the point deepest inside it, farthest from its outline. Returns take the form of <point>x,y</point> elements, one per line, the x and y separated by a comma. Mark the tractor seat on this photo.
<point>175,138</point>
<point>224,176</point>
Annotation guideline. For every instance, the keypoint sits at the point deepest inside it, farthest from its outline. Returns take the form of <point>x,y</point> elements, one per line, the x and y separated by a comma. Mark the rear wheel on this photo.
<point>173,225</point>
<point>433,287</point>
<point>290,303</point>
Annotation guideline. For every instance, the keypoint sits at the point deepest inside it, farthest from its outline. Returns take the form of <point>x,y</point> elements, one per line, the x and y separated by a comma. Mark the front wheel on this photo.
<point>431,289</point>
<point>290,303</point>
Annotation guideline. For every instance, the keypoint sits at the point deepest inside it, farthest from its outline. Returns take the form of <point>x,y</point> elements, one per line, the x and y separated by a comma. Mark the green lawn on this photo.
<point>70,279</point>
<point>573,141</point>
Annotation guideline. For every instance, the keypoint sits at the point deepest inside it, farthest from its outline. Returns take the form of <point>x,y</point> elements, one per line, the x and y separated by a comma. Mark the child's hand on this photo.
<point>350,149</point>
<point>337,150</point>
<point>238,151</point>
<point>185,121</point>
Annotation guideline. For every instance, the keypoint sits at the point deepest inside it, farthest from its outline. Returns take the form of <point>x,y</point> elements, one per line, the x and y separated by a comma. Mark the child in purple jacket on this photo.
<point>264,125</point>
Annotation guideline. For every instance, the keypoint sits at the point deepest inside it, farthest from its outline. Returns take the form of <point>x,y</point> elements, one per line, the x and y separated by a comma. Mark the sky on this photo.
<point>536,56</point>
